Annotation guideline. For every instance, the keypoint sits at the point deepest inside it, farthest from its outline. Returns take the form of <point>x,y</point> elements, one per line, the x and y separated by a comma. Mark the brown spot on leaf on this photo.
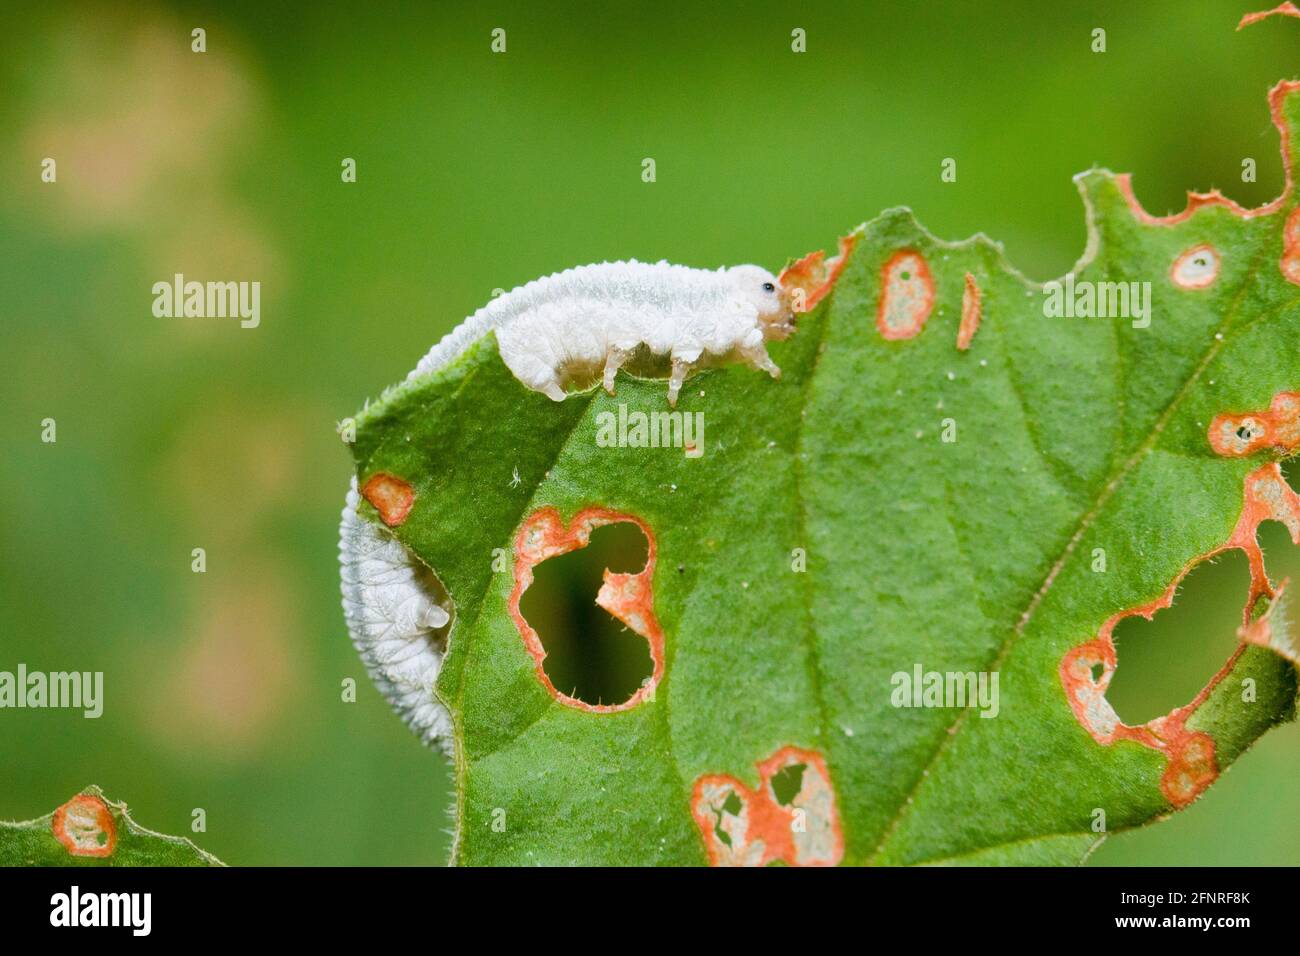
<point>1277,427</point>
<point>808,280</point>
<point>743,827</point>
<point>1196,268</point>
<point>971,312</point>
<point>391,496</point>
<point>1086,670</point>
<point>906,295</point>
<point>85,826</point>
<point>628,597</point>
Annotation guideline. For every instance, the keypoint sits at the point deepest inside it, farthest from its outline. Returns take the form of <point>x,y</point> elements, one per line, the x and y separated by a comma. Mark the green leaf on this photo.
<point>91,830</point>
<point>1080,487</point>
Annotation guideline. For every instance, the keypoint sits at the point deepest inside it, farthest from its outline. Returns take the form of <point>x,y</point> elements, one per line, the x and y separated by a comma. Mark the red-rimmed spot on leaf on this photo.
<point>391,496</point>
<point>1197,268</point>
<point>906,295</point>
<point>1276,96</point>
<point>1238,435</point>
<point>1086,670</point>
<point>971,312</point>
<point>85,826</point>
<point>808,280</point>
<point>628,597</point>
<point>791,817</point>
<point>1191,768</point>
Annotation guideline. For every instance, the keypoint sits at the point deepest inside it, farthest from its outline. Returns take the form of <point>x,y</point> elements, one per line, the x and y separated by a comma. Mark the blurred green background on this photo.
<point>476,171</point>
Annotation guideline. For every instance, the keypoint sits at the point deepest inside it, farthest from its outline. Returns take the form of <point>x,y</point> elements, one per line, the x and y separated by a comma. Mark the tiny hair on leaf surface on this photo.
<point>92,830</point>
<point>947,457</point>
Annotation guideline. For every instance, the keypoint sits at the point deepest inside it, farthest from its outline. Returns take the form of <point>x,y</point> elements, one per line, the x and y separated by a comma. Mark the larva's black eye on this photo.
<point>768,287</point>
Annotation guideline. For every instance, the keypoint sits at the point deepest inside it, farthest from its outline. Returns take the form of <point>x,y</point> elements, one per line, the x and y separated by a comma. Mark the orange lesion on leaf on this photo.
<point>1191,769</point>
<point>628,597</point>
<point>85,826</point>
<point>1086,670</point>
<point>1268,498</point>
<point>1277,427</point>
<point>744,827</point>
<point>1197,200</point>
<point>906,295</point>
<point>391,496</point>
<point>971,312</point>
<point>1196,268</point>
<point>808,280</point>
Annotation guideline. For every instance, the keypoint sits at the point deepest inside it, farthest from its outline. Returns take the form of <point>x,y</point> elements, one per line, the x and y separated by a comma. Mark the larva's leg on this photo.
<point>759,359</point>
<point>613,362</point>
<point>680,368</point>
<point>529,368</point>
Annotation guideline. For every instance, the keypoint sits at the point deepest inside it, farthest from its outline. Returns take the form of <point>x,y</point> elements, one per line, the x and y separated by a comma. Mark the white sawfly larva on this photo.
<point>573,328</point>
<point>588,322</point>
<point>393,608</point>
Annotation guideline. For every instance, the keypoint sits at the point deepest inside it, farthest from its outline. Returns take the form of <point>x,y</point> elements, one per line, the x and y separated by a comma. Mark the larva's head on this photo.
<point>755,286</point>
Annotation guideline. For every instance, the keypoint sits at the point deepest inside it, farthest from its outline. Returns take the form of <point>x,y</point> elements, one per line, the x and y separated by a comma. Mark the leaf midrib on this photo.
<point>1108,488</point>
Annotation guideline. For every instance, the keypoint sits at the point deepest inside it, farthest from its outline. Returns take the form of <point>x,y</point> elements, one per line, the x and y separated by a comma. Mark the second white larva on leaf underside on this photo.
<point>586,323</point>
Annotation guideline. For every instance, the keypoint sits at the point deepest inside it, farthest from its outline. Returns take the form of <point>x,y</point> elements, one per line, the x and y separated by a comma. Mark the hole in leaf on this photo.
<point>590,655</point>
<point>1165,662</point>
<point>732,806</point>
<point>1290,469</point>
<point>1281,556</point>
<point>787,782</point>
